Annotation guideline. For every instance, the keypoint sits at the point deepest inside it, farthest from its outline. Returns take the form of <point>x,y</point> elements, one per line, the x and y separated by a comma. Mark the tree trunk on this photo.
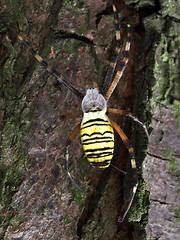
<point>77,38</point>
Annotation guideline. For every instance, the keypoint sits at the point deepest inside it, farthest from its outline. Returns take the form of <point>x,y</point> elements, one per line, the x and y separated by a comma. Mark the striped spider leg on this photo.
<point>115,56</point>
<point>68,142</point>
<point>133,164</point>
<point>53,72</point>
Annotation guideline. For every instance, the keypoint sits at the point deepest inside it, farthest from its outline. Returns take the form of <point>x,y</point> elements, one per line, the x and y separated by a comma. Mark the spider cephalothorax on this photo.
<point>93,101</point>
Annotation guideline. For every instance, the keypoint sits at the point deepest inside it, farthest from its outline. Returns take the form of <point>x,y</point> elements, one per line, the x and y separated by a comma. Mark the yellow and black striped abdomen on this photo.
<point>97,138</point>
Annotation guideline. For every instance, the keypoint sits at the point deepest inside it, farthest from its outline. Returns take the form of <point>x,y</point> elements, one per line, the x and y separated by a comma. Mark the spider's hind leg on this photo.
<point>68,142</point>
<point>128,114</point>
<point>133,165</point>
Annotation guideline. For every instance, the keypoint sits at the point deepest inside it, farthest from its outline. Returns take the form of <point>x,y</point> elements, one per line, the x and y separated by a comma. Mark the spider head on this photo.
<point>93,100</point>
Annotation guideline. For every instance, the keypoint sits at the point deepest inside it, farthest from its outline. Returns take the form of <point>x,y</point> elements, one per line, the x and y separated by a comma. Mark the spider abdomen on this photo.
<point>97,138</point>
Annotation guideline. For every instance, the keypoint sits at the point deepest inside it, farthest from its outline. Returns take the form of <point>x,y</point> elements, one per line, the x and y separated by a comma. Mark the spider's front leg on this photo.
<point>71,115</point>
<point>122,68</point>
<point>115,56</point>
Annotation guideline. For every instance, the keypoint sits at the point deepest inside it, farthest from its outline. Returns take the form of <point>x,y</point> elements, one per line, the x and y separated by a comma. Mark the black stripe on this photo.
<point>116,27</point>
<point>96,124</point>
<point>130,29</point>
<point>116,17</point>
<point>99,155</point>
<point>105,141</point>
<point>123,65</point>
<point>85,134</point>
<point>118,44</point>
<point>96,110</point>
<point>26,44</point>
<point>114,57</point>
<point>96,119</point>
<point>96,138</point>
<point>99,149</point>
<point>132,155</point>
<point>31,50</point>
<point>44,64</point>
<point>135,179</point>
<point>126,54</point>
<point>100,164</point>
<point>128,39</point>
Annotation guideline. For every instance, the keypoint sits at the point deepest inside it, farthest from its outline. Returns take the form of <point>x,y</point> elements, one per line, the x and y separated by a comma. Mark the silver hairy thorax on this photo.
<point>93,101</point>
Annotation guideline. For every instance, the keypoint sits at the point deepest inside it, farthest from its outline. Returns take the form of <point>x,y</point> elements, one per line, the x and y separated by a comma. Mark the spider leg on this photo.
<point>122,66</point>
<point>71,115</point>
<point>53,72</point>
<point>120,170</point>
<point>133,165</point>
<point>128,114</point>
<point>68,142</point>
<point>116,53</point>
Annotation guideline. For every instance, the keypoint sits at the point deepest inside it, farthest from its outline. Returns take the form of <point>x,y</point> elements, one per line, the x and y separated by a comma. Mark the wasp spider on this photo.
<point>96,128</point>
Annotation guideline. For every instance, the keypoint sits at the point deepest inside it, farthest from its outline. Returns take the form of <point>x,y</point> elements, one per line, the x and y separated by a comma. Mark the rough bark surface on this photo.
<point>77,37</point>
